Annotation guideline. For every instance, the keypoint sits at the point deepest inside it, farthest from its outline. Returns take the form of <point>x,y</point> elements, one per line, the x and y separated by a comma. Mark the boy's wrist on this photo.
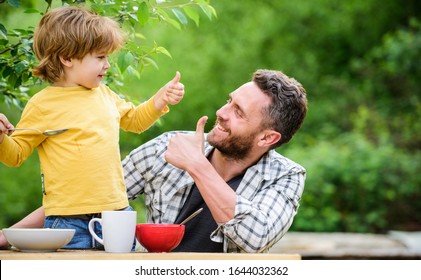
<point>159,103</point>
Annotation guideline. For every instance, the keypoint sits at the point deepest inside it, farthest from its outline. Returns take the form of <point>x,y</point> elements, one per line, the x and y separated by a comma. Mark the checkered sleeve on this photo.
<point>139,162</point>
<point>263,217</point>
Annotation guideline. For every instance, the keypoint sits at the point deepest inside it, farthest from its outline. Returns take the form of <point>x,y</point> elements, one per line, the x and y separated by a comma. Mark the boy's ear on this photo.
<point>66,61</point>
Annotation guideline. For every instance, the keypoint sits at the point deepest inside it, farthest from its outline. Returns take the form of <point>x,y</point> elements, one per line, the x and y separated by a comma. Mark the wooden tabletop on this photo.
<point>102,255</point>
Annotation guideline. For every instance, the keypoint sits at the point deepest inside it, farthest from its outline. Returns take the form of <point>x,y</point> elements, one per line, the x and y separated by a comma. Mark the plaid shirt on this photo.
<point>267,197</point>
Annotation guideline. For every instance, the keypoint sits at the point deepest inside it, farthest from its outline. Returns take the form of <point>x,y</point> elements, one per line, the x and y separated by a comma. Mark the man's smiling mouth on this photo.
<point>218,125</point>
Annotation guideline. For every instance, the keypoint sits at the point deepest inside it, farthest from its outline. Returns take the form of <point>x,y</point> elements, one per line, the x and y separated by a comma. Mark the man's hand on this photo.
<point>4,245</point>
<point>187,149</point>
<point>33,220</point>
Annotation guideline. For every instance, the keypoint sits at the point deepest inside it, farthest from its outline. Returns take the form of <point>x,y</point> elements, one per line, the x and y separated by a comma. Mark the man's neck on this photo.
<point>228,168</point>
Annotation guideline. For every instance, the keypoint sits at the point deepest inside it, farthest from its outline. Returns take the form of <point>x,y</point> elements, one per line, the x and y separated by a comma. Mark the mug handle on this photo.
<point>92,231</point>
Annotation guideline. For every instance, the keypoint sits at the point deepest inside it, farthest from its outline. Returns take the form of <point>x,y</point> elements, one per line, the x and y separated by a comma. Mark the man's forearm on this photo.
<point>219,197</point>
<point>33,220</point>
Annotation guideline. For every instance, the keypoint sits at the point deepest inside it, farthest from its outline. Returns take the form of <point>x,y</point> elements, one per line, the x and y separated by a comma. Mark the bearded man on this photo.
<point>249,192</point>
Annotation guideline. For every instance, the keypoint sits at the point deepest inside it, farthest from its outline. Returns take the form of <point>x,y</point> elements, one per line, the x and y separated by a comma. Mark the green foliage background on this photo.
<point>360,63</point>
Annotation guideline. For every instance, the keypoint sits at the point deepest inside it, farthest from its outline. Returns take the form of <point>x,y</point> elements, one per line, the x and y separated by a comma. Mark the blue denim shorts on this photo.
<point>82,238</point>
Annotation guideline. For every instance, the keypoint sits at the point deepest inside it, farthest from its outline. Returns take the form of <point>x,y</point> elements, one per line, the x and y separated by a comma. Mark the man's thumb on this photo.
<point>200,127</point>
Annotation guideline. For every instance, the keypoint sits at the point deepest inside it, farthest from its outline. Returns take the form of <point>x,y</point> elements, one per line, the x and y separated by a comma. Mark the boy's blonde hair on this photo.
<point>71,33</point>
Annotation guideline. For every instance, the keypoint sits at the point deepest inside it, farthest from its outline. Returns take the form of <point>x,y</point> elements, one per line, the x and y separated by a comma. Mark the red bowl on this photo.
<point>157,238</point>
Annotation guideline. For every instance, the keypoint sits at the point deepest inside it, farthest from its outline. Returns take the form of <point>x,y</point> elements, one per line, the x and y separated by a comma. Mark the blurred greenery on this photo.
<point>358,60</point>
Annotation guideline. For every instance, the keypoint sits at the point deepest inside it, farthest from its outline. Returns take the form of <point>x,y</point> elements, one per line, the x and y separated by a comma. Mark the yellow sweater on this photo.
<point>81,168</point>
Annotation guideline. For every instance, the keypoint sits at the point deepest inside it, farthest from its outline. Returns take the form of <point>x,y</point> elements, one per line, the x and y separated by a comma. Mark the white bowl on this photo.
<point>38,239</point>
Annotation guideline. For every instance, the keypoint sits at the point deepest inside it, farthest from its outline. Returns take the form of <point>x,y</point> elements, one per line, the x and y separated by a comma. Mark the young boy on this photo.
<point>80,169</point>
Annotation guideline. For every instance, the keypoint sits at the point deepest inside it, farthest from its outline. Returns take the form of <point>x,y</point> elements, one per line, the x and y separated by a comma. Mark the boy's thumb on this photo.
<point>176,78</point>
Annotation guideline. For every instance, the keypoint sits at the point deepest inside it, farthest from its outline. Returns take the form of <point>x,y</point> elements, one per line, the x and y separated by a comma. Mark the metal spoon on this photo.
<point>49,132</point>
<point>195,213</point>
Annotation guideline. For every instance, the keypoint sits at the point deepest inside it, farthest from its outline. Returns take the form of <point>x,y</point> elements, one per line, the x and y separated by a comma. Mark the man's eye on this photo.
<point>229,100</point>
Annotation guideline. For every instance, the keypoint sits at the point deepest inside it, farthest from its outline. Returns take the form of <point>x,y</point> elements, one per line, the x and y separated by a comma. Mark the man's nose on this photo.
<point>222,112</point>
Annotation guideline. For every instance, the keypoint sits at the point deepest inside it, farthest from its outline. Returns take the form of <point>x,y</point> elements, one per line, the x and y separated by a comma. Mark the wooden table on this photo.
<point>102,255</point>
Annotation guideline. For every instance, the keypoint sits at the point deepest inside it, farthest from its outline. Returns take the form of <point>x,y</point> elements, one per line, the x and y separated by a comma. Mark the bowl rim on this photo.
<point>160,225</point>
<point>41,229</point>
<point>38,239</point>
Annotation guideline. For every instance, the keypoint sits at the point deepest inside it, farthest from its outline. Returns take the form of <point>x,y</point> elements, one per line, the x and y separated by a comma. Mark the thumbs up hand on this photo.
<point>171,93</point>
<point>185,150</point>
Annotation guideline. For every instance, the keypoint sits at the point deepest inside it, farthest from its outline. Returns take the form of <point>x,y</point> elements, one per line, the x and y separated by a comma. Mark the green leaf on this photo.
<point>3,31</point>
<point>139,35</point>
<point>133,72</point>
<point>14,3</point>
<point>7,71</point>
<point>14,52</point>
<point>150,61</point>
<point>21,66</point>
<point>17,103</point>
<point>192,14</point>
<point>25,77</point>
<point>134,17</point>
<point>163,15</point>
<point>143,13</point>
<point>12,79</point>
<point>163,51</point>
<point>124,61</point>
<point>208,10</point>
<point>174,23</point>
<point>18,82</point>
<point>180,16</point>
<point>32,11</point>
<point>20,31</point>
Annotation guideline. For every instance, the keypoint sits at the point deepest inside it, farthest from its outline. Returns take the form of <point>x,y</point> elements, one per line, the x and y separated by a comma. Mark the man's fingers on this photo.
<point>200,127</point>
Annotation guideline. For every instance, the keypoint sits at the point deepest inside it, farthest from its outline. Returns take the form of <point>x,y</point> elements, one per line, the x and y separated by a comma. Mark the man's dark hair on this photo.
<point>288,109</point>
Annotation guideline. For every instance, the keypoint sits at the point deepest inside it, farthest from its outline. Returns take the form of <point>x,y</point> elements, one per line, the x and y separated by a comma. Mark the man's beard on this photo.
<point>234,147</point>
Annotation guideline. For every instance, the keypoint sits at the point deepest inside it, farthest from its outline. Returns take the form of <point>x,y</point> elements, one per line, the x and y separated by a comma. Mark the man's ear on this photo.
<point>66,61</point>
<point>269,137</point>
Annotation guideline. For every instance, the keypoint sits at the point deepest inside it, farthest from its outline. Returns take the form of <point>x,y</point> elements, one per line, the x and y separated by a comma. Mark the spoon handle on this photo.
<point>195,213</point>
<point>33,129</point>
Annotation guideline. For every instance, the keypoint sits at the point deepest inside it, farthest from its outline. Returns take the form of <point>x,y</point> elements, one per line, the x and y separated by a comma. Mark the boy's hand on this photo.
<point>5,127</point>
<point>171,93</point>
